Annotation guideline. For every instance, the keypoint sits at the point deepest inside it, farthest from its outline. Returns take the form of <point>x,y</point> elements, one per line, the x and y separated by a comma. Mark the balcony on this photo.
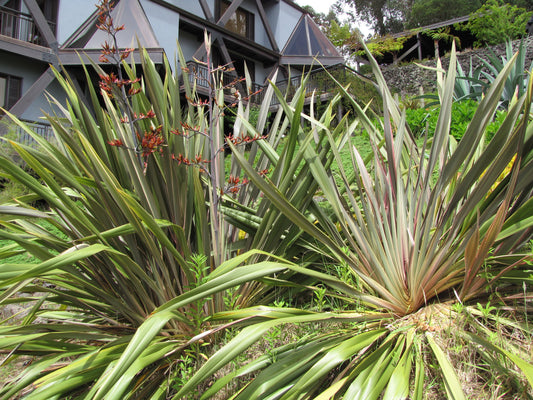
<point>21,26</point>
<point>318,81</point>
<point>198,74</point>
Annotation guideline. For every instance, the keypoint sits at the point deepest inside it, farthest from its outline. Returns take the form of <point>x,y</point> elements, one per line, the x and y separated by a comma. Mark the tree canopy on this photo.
<point>384,16</point>
<point>392,16</point>
<point>427,12</point>
<point>496,21</point>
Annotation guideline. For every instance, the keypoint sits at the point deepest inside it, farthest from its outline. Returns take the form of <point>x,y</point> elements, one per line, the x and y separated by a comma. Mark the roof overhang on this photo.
<point>80,56</point>
<point>25,49</point>
<point>307,60</point>
<point>436,25</point>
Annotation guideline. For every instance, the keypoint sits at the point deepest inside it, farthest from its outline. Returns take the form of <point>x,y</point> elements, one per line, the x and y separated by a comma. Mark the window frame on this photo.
<point>13,90</point>
<point>222,6</point>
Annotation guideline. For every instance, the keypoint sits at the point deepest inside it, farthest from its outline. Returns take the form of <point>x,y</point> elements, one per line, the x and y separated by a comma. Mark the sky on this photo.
<point>323,6</point>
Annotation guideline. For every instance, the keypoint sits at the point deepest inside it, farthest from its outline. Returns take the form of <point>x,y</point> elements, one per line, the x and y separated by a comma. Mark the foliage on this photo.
<point>424,120</point>
<point>474,83</point>
<point>497,21</point>
<point>427,12</point>
<point>385,16</point>
<point>444,34</point>
<point>10,190</point>
<point>359,86</point>
<point>469,85</point>
<point>390,16</point>
<point>425,238</point>
<point>518,79</point>
<point>378,46</point>
<point>134,286</point>
<point>135,190</point>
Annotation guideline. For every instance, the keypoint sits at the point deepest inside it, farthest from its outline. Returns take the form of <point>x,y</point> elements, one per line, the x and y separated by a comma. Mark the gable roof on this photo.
<point>307,42</point>
<point>126,12</point>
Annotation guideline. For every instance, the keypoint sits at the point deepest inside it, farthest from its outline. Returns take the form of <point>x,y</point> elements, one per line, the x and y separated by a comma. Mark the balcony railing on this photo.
<point>198,73</point>
<point>14,132</point>
<point>21,26</point>
<point>318,81</point>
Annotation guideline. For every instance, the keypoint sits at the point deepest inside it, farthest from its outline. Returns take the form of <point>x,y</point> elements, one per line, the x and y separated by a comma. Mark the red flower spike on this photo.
<point>116,142</point>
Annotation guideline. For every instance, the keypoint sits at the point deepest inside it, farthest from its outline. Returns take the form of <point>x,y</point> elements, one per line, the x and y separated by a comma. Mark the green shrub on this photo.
<point>497,21</point>
<point>10,190</point>
<point>422,120</point>
<point>429,234</point>
<point>135,191</point>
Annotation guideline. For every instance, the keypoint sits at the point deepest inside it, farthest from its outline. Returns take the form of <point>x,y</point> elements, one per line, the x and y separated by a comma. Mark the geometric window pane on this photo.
<point>241,22</point>
<point>298,42</point>
<point>308,40</point>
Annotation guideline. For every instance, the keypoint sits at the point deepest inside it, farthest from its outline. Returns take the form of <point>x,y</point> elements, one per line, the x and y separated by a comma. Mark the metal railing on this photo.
<point>40,128</point>
<point>198,73</point>
<point>318,81</point>
<point>16,133</point>
<point>21,26</point>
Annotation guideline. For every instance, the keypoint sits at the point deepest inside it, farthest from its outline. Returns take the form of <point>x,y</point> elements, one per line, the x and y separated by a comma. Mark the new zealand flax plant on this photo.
<point>134,184</point>
<point>430,245</point>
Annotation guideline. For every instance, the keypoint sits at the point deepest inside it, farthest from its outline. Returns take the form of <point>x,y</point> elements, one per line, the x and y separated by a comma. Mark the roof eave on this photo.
<point>307,60</point>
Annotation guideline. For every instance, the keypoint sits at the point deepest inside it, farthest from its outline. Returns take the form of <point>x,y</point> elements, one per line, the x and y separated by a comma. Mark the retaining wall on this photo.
<point>409,78</point>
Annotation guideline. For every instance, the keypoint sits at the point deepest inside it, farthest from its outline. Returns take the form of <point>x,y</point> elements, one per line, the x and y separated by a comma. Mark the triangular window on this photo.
<point>308,40</point>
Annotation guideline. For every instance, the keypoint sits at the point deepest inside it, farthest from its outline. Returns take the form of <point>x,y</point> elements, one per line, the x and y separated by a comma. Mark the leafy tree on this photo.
<point>497,21</point>
<point>391,16</point>
<point>527,4</point>
<point>427,12</point>
<point>385,16</point>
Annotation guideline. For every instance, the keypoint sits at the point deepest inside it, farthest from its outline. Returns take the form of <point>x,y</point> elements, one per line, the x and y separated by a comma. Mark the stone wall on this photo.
<point>409,78</point>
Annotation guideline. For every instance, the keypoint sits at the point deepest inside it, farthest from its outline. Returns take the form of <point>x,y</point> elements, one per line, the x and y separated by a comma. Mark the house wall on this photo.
<point>261,73</point>
<point>192,6</point>
<point>189,43</point>
<point>260,35</point>
<point>283,19</point>
<point>165,24</point>
<point>71,14</point>
<point>30,71</point>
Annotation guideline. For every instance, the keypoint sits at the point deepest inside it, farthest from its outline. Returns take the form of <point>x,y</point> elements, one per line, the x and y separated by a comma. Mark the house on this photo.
<point>267,35</point>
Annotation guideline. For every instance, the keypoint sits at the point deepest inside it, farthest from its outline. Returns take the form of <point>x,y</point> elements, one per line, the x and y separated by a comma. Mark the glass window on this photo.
<point>241,22</point>
<point>10,90</point>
